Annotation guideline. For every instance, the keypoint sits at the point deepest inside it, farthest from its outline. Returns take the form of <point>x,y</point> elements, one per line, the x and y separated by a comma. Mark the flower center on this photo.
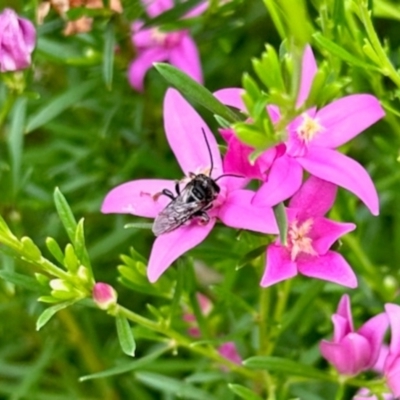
<point>298,239</point>
<point>158,37</point>
<point>309,128</point>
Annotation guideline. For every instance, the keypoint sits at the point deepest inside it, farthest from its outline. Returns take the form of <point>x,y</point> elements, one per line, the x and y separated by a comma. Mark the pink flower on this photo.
<point>352,352</point>
<point>104,295</point>
<point>154,45</point>
<point>310,235</point>
<point>17,41</point>
<point>312,140</point>
<point>392,364</point>
<point>183,127</point>
<point>229,351</point>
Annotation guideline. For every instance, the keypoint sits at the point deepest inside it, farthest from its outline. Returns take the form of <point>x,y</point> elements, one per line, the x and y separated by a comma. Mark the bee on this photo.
<point>193,201</point>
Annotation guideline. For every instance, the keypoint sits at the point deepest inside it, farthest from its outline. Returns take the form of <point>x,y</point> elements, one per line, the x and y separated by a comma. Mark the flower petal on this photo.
<point>343,171</point>
<point>231,97</point>
<point>144,61</point>
<point>169,246</point>
<point>392,375</point>
<point>186,57</point>
<point>197,10</point>
<point>393,313</point>
<point>308,71</point>
<point>183,127</point>
<point>325,232</point>
<point>140,197</point>
<point>345,118</point>
<point>340,328</point>
<point>330,267</point>
<point>374,331</point>
<point>350,356</point>
<point>284,179</point>
<point>344,310</point>
<point>279,266</point>
<point>157,7</point>
<point>238,212</point>
<point>315,198</point>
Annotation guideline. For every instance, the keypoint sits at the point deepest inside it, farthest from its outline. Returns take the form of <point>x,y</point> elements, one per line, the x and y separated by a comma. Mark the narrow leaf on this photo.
<point>281,220</point>
<point>21,280</point>
<point>46,315</point>
<point>108,54</point>
<point>59,104</point>
<point>55,249</point>
<point>243,392</point>
<point>193,91</point>
<point>65,214</point>
<point>125,335</point>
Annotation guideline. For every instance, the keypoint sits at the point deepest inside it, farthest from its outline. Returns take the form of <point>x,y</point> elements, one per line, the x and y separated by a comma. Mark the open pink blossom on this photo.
<point>154,45</point>
<point>310,236</point>
<point>183,127</point>
<point>392,364</point>
<point>312,141</point>
<point>350,351</point>
<point>17,41</point>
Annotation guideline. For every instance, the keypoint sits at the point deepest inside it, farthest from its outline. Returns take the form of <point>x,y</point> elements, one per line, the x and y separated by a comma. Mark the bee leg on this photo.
<point>168,193</point>
<point>204,218</point>
<point>177,188</point>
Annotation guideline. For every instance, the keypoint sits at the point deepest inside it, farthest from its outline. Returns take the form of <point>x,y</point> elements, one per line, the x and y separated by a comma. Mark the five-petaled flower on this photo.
<point>310,236</point>
<point>352,352</point>
<point>183,127</point>
<point>312,141</point>
<point>153,45</point>
<point>17,41</point>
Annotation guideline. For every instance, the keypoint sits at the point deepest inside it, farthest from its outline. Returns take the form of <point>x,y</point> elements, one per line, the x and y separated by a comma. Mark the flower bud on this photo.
<point>18,37</point>
<point>104,295</point>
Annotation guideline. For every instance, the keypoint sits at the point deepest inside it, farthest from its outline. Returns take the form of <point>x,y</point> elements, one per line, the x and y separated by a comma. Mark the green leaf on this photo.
<point>15,140</point>
<point>65,214</point>
<point>251,255</point>
<point>108,54</point>
<point>24,281</point>
<point>55,249</point>
<point>193,91</point>
<point>281,219</point>
<point>250,135</point>
<point>243,392</point>
<point>127,367</point>
<point>70,260</point>
<point>32,252</point>
<point>125,335</point>
<point>80,246</point>
<point>287,367</point>
<point>340,52</point>
<point>59,104</point>
<point>46,315</point>
<point>178,388</point>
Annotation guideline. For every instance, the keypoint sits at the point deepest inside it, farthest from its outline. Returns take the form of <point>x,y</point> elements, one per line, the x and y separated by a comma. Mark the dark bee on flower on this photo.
<point>191,202</point>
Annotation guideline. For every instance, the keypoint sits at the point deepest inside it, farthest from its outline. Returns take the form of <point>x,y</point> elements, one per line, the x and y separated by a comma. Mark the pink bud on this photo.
<point>17,41</point>
<point>229,351</point>
<point>104,295</point>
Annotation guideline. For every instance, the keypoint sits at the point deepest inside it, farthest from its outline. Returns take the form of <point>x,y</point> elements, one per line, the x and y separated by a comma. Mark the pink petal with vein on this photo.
<point>185,56</point>
<point>279,266</point>
<point>343,171</point>
<point>231,97</point>
<point>326,232</point>
<point>144,61</point>
<point>345,118</point>
<point>284,179</point>
<point>308,71</point>
<point>169,246</point>
<point>315,198</point>
<point>137,198</point>
<point>330,267</point>
<point>238,212</point>
<point>183,127</point>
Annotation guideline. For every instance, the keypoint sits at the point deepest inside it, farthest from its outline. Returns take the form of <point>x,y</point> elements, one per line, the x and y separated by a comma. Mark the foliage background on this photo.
<point>86,130</point>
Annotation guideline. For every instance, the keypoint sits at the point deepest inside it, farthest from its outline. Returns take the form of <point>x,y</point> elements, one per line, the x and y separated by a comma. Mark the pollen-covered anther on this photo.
<point>309,128</point>
<point>299,241</point>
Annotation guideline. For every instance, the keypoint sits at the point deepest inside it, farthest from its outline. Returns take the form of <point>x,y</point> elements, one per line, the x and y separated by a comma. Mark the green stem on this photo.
<point>265,303</point>
<point>5,110</point>
<point>341,391</point>
<point>274,13</point>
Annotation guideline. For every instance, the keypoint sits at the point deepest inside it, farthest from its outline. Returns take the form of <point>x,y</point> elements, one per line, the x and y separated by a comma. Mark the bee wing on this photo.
<point>174,215</point>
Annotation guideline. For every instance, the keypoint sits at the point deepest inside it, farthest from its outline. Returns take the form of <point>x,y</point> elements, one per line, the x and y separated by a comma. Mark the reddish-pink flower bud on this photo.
<point>104,295</point>
<point>17,41</point>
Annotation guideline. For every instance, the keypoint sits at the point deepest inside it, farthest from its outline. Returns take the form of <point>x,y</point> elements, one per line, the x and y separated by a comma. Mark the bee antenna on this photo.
<point>209,150</point>
<point>224,175</point>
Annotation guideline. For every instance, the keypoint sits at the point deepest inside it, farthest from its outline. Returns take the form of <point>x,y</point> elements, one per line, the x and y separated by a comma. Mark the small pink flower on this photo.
<point>183,127</point>
<point>154,45</point>
<point>310,236</point>
<point>17,41</point>
<point>392,364</point>
<point>230,352</point>
<point>104,295</point>
<point>352,352</point>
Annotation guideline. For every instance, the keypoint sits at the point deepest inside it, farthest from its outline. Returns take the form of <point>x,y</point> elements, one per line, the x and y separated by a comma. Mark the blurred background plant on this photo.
<point>72,121</point>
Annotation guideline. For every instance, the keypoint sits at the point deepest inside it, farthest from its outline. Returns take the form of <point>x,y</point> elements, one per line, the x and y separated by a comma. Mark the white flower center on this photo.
<point>158,37</point>
<point>298,239</point>
<point>309,128</point>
